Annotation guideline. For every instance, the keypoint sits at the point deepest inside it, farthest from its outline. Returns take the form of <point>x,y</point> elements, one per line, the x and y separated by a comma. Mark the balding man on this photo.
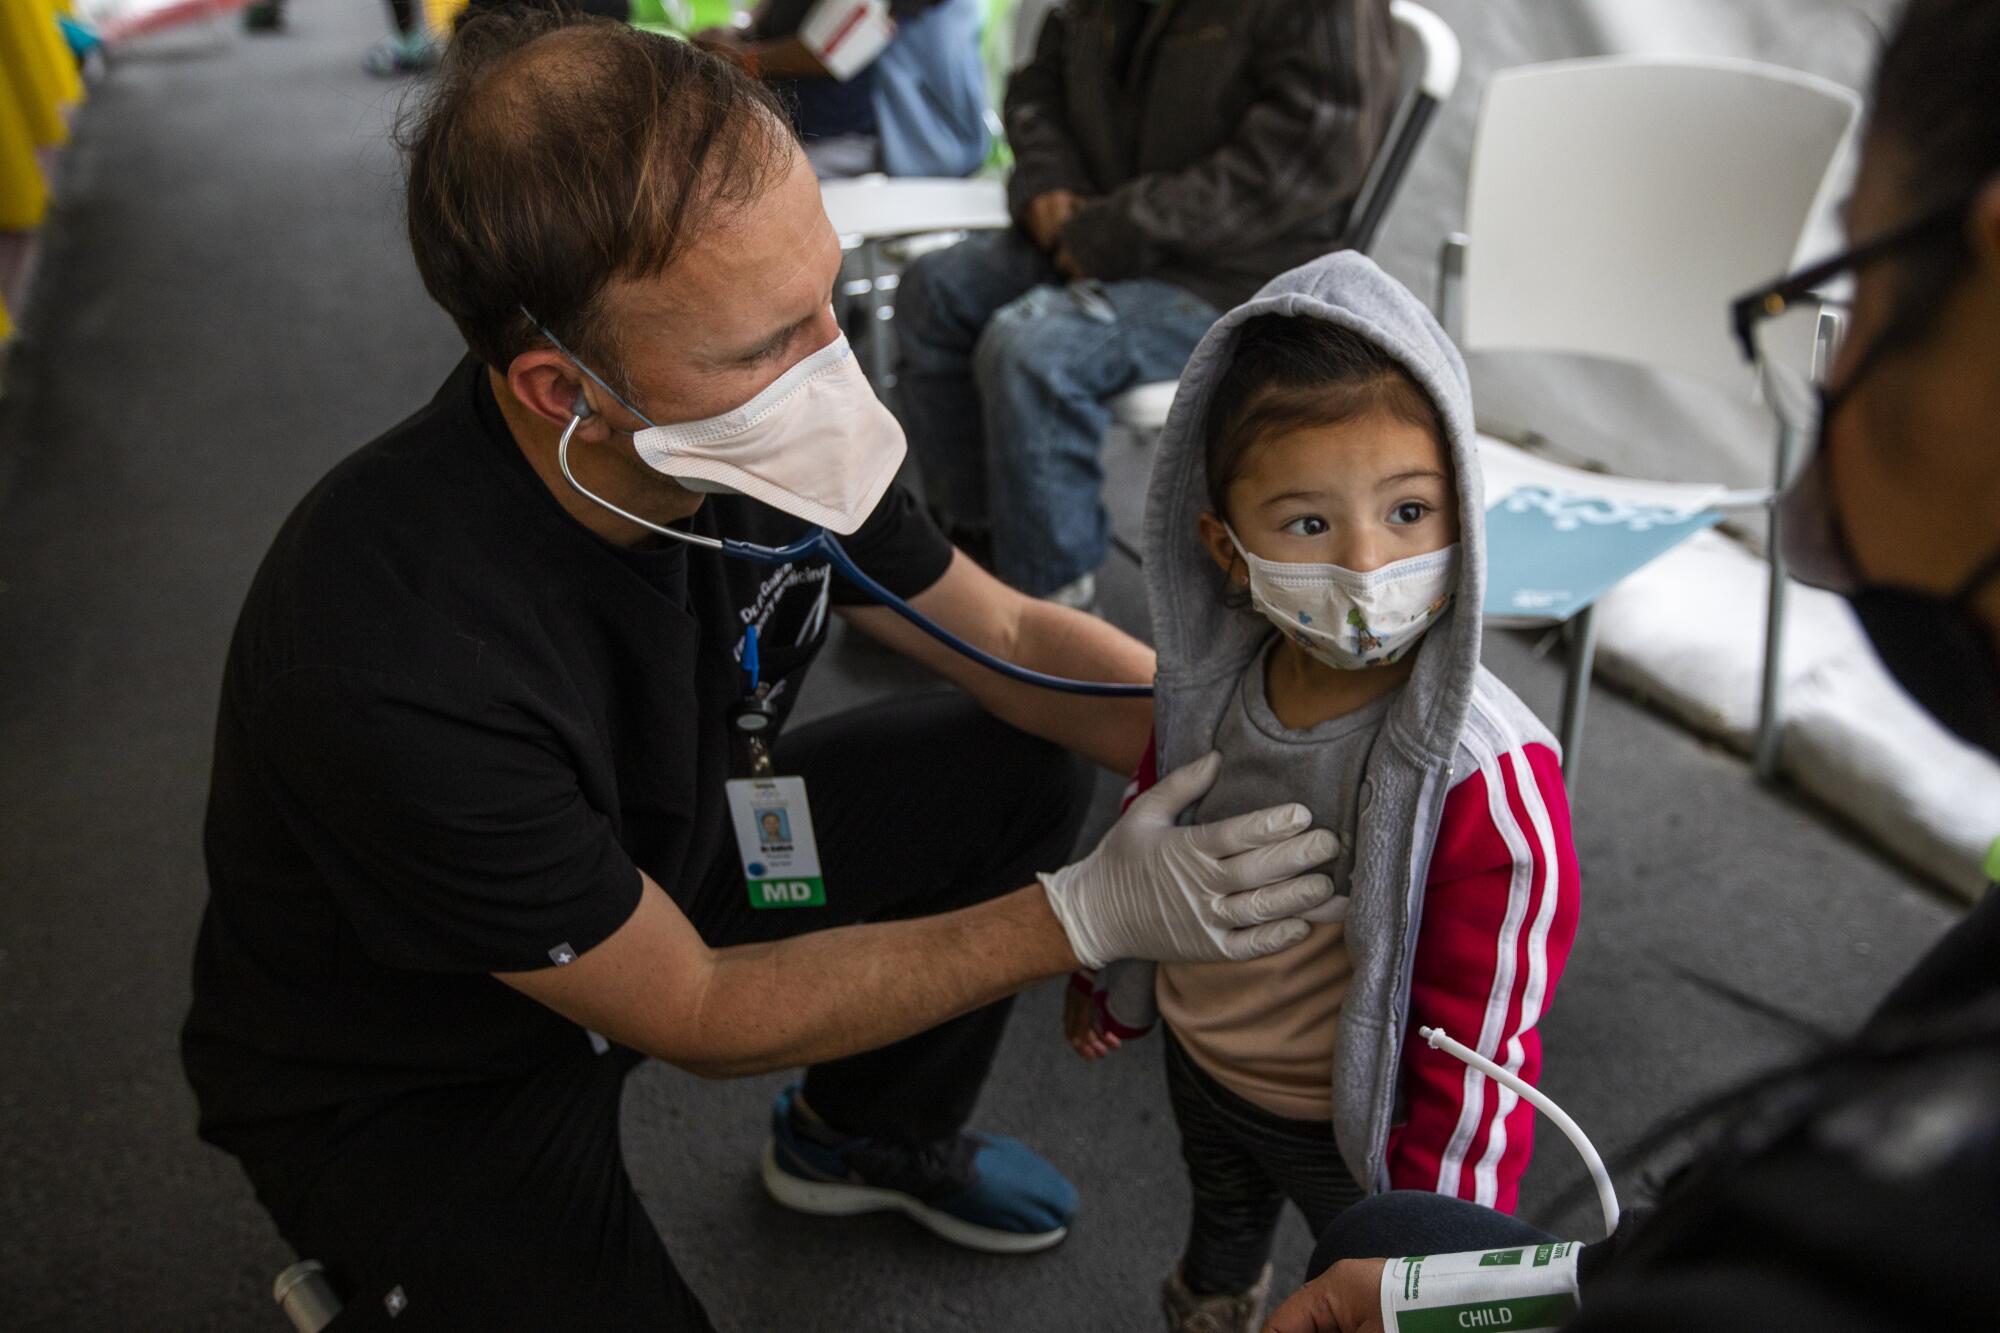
<point>495,748</point>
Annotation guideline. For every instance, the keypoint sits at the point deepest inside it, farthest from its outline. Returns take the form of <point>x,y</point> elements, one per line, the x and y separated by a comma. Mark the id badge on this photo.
<point>774,835</point>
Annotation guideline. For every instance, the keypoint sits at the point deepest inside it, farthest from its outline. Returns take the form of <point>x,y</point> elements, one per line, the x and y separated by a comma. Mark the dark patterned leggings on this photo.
<point>1243,1163</point>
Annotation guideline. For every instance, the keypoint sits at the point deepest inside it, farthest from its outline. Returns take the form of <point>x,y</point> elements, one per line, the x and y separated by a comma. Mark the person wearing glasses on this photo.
<point>1861,1189</point>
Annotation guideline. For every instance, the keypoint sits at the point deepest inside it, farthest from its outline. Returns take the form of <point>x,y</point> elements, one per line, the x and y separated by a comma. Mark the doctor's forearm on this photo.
<point>1055,639</point>
<point>1028,632</point>
<point>837,992</point>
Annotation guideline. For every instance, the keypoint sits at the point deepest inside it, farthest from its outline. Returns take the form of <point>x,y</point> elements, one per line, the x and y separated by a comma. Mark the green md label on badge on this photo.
<point>809,892</point>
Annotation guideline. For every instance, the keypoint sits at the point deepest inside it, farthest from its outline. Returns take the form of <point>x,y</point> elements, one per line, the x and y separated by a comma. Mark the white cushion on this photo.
<point>1687,632</point>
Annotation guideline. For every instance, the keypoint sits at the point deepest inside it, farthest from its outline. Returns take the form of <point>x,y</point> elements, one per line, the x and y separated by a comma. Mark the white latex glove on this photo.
<point>1203,893</point>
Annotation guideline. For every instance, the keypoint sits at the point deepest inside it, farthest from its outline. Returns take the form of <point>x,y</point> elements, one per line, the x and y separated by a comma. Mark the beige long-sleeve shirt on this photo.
<point>1265,1029</point>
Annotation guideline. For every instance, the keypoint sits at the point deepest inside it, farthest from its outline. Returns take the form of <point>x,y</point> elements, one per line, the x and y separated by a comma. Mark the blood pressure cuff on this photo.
<point>1523,1289</point>
<point>847,35</point>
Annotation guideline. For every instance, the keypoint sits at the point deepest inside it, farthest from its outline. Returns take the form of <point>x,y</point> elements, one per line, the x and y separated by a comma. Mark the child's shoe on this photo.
<point>263,16</point>
<point>1219,1312</point>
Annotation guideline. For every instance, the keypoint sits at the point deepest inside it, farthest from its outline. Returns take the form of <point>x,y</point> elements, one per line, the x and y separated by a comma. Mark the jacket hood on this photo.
<point>1201,639</point>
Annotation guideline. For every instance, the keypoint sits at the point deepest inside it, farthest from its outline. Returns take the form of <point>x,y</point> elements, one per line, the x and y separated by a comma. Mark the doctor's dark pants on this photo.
<point>509,1206</point>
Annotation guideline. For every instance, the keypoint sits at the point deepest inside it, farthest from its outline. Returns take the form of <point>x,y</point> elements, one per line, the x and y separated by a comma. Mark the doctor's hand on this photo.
<point>1346,1298</point>
<point>1220,892</point>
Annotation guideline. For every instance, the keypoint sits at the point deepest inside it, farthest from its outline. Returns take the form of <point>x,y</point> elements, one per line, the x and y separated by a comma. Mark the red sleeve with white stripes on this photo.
<point>1093,984</point>
<point>1500,912</point>
<point>1148,774</point>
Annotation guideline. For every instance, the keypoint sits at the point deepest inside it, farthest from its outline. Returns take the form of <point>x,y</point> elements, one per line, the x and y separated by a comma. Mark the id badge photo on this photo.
<point>774,836</point>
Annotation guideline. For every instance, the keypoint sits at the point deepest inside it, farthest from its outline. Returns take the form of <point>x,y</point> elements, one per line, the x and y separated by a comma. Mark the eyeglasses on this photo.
<point>1791,329</point>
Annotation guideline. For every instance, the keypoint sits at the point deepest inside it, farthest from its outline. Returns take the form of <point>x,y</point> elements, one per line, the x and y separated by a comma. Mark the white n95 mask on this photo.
<point>816,444</point>
<point>1348,619</point>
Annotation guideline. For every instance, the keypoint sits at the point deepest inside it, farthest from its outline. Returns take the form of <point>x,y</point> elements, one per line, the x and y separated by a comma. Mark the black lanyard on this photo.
<point>752,718</point>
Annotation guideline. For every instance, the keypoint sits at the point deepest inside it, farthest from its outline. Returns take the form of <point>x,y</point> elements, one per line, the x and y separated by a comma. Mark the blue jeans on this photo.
<point>1005,372</point>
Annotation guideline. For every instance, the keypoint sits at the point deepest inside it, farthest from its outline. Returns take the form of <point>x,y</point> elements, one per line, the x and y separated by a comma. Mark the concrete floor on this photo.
<point>225,309</point>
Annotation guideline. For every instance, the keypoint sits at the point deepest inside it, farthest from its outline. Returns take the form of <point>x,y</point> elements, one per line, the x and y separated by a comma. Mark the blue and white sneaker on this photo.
<point>982,1191</point>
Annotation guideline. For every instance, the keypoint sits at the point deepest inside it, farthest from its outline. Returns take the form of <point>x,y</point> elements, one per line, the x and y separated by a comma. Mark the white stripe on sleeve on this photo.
<point>1534,993</point>
<point>1472,1104</point>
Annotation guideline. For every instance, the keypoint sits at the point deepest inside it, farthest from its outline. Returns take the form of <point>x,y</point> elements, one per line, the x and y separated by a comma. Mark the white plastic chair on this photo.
<point>1614,208</point>
<point>1026,29</point>
<point>872,213</point>
<point>1428,61</point>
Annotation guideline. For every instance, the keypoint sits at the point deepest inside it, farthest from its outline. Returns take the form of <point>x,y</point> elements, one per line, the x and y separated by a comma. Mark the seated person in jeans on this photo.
<point>1169,159</point>
<point>873,85</point>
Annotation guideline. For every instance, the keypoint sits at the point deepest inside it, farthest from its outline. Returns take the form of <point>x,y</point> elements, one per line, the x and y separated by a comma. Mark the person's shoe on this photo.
<point>982,1191</point>
<point>1077,595</point>
<point>396,55</point>
<point>263,16</point>
<point>1217,1313</point>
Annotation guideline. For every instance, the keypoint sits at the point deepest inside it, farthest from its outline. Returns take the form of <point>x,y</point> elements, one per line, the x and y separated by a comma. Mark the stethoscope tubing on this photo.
<point>823,545</point>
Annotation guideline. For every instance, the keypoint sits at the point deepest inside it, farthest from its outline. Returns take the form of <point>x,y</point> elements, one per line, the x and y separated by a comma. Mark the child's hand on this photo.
<point>1082,1026</point>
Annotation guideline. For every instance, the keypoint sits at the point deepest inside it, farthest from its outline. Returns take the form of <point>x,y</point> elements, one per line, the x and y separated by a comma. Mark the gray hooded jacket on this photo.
<point>1452,720</point>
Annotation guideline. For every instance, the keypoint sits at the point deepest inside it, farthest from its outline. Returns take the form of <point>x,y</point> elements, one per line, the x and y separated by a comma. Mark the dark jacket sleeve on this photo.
<point>1871,1209</point>
<point>1037,120</point>
<point>1321,74</point>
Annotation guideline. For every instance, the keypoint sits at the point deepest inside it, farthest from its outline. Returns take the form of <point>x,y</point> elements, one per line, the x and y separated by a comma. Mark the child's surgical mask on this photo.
<point>1348,619</point>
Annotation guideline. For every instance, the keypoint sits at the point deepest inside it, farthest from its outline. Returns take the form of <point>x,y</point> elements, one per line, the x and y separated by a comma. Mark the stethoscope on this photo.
<point>819,544</point>
<point>823,545</point>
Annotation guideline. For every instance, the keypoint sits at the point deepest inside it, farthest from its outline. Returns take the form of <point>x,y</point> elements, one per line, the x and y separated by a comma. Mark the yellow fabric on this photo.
<point>29,73</point>
<point>6,325</point>
<point>440,14</point>
<point>69,83</point>
<point>24,195</point>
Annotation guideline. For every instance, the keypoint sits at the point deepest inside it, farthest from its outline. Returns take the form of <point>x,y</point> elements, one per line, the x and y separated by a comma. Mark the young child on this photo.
<point>1315,562</point>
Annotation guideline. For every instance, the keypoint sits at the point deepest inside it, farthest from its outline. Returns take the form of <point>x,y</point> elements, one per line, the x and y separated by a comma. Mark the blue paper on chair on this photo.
<point>1551,552</point>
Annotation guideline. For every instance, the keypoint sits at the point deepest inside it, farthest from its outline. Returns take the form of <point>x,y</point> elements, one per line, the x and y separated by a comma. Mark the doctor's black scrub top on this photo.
<point>454,726</point>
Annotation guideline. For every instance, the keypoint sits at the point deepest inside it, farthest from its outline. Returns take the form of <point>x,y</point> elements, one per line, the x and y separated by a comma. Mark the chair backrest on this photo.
<point>1028,16</point>
<point>1427,61</point>
<point>1616,205</point>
